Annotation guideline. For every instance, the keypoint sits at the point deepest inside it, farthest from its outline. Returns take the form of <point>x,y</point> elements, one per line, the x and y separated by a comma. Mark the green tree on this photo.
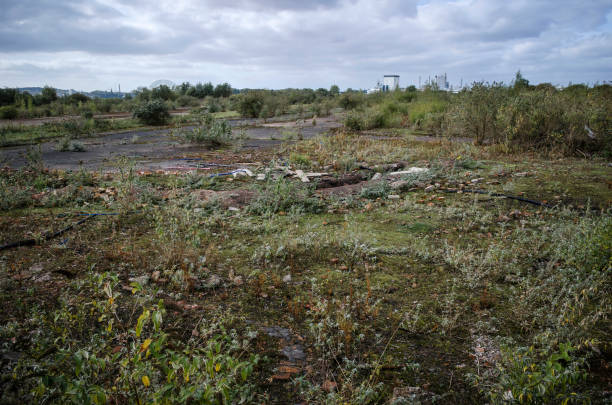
<point>334,90</point>
<point>162,92</point>
<point>520,82</point>
<point>223,90</point>
<point>48,94</point>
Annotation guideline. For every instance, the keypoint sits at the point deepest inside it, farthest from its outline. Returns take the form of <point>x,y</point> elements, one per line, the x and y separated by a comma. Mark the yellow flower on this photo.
<point>145,381</point>
<point>218,367</point>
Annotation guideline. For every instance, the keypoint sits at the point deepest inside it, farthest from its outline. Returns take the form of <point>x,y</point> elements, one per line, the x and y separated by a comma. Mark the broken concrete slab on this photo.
<point>410,170</point>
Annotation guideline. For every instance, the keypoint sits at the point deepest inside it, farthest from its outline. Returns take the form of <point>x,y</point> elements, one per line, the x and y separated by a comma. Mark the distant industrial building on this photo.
<point>441,82</point>
<point>389,83</point>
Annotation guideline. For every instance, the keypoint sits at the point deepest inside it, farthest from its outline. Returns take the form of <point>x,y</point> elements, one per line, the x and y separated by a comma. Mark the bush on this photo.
<point>285,195</point>
<point>354,121</point>
<point>536,378</point>
<point>379,190</point>
<point>153,112</point>
<point>251,104</point>
<point>8,112</point>
<point>187,101</point>
<point>68,145</point>
<point>350,101</point>
<point>212,133</point>
<point>300,161</point>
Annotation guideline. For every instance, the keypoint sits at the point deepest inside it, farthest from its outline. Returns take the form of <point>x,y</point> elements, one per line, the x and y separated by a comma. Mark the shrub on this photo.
<point>299,160</point>
<point>354,121</point>
<point>251,104</point>
<point>87,114</point>
<point>547,119</point>
<point>379,190</point>
<point>213,133</point>
<point>350,101</point>
<point>284,195</point>
<point>68,145</point>
<point>8,112</point>
<point>153,112</point>
<point>534,378</point>
<point>187,101</point>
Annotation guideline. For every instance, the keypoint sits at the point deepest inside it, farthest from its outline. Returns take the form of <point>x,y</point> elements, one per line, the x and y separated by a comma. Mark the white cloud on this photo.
<point>283,43</point>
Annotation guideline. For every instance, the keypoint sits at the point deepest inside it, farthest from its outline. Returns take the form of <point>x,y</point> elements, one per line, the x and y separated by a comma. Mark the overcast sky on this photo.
<point>99,44</point>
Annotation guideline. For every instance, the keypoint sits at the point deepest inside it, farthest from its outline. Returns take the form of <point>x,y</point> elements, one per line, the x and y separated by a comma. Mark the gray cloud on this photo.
<point>283,43</point>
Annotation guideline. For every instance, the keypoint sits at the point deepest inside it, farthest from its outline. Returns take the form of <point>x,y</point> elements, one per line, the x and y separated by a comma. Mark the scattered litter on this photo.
<point>242,172</point>
<point>590,132</point>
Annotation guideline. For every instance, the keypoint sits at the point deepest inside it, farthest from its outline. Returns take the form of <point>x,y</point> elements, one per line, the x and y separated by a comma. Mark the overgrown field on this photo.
<point>361,286</point>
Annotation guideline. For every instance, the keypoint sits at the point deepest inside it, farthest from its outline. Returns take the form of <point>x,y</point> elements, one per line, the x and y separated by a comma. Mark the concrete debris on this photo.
<point>300,174</point>
<point>242,172</point>
<point>410,170</point>
<point>294,352</point>
<point>410,395</point>
<point>142,280</point>
<point>400,185</point>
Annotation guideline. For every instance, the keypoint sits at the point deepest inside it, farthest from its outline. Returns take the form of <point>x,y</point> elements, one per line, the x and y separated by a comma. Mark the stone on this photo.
<point>410,170</point>
<point>300,174</point>
<point>430,188</point>
<point>393,197</point>
<point>478,180</point>
<point>377,176</point>
<point>400,184</point>
<point>142,280</point>
<point>287,278</point>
